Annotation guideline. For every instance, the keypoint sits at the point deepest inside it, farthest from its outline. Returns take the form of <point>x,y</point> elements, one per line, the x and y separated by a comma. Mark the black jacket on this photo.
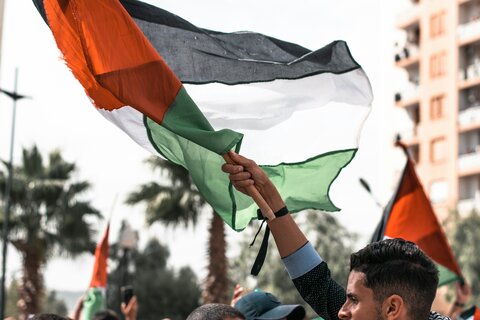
<point>325,296</point>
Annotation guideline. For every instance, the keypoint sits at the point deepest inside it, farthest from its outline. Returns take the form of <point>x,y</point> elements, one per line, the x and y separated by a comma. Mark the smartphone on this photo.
<point>127,293</point>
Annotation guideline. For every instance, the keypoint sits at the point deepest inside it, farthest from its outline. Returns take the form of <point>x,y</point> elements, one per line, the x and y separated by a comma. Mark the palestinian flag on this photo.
<point>295,111</point>
<point>471,314</point>
<point>409,215</point>
<point>95,297</point>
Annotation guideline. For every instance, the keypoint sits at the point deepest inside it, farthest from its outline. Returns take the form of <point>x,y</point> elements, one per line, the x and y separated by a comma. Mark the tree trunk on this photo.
<point>31,284</point>
<point>216,284</point>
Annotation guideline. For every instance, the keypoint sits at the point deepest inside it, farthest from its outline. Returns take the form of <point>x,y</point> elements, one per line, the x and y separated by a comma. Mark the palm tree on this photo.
<point>180,203</point>
<point>47,218</point>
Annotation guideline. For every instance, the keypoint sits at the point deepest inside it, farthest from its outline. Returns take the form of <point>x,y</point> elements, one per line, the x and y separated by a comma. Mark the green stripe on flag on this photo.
<point>186,120</point>
<point>445,276</point>
<point>305,185</point>
<point>235,208</point>
<point>93,302</point>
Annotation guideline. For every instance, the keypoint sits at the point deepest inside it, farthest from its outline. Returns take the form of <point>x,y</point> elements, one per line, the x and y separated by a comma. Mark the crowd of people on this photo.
<point>390,279</point>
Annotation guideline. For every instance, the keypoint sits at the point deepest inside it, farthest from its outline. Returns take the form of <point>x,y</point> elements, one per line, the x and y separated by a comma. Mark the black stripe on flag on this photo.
<point>199,56</point>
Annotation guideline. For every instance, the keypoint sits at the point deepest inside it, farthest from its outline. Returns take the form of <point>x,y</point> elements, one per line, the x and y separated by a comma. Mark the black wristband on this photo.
<point>262,253</point>
<point>280,213</point>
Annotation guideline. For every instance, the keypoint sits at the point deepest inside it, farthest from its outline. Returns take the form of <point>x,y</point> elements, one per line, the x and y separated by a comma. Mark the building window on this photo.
<point>436,107</point>
<point>438,65</point>
<point>469,142</point>
<point>437,24</point>
<point>438,191</point>
<point>468,187</point>
<point>437,150</point>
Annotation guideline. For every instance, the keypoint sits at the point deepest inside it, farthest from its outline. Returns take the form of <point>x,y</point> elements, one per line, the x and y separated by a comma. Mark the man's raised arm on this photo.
<point>309,273</point>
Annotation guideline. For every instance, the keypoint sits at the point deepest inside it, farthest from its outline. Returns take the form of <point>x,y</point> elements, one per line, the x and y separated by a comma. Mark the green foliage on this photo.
<point>11,301</point>
<point>48,216</point>
<point>46,206</point>
<point>51,304</point>
<point>332,241</point>
<point>161,291</point>
<point>178,202</point>
<point>464,236</point>
<point>175,202</point>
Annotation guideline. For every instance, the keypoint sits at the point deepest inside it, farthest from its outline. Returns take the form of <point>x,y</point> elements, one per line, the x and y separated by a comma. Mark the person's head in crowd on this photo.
<point>260,305</point>
<point>390,279</point>
<point>105,315</point>
<point>215,311</point>
<point>47,316</point>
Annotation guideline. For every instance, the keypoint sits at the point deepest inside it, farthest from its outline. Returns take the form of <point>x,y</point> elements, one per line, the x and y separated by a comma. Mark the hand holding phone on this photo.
<point>127,294</point>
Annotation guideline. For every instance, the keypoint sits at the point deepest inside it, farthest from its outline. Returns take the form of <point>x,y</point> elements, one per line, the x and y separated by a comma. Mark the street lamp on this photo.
<point>127,242</point>
<point>8,187</point>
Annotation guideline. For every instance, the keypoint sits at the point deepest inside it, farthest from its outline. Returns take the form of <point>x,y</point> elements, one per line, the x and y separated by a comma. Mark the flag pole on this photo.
<point>255,194</point>
<point>399,143</point>
<point>366,186</point>
<point>7,198</point>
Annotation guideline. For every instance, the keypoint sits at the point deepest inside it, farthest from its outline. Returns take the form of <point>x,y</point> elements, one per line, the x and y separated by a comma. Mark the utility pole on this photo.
<point>7,199</point>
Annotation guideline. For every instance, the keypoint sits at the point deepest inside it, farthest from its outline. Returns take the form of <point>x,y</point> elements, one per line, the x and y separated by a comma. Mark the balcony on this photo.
<point>408,96</point>
<point>469,163</point>
<point>469,194</point>
<point>469,32</point>
<point>466,206</point>
<point>470,75</point>
<point>470,72</point>
<point>469,118</point>
<point>407,56</point>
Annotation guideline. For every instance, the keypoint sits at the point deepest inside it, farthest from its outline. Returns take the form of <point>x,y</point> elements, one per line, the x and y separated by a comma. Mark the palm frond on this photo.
<point>58,168</point>
<point>146,192</point>
<point>32,163</point>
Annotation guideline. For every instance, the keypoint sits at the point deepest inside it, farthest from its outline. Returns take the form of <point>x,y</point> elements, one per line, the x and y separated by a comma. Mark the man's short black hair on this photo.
<point>397,266</point>
<point>215,311</point>
<point>105,315</point>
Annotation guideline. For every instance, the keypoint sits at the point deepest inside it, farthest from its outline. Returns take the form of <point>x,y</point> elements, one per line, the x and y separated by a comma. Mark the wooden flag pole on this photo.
<point>255,194</point>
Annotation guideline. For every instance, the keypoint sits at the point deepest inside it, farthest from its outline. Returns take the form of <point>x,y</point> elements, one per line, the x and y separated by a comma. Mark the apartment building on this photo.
<point>439,58</point>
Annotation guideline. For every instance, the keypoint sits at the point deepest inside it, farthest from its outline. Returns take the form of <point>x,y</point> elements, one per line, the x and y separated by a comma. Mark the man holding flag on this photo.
<point>390,279</point>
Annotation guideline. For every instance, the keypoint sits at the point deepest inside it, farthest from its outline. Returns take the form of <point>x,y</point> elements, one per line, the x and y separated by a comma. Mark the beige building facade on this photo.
<point>439,56</point>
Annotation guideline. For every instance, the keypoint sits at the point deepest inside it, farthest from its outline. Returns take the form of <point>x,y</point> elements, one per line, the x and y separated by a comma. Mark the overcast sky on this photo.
<point>61,116</point>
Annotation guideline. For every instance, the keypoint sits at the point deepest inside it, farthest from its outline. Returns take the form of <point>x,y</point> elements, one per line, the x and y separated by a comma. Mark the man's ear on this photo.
<point>394,308</point>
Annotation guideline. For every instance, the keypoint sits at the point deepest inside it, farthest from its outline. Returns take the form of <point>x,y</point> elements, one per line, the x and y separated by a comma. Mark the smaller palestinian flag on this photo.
<point>95,297</point>
<point>470,314</point>
<point>409,215</point>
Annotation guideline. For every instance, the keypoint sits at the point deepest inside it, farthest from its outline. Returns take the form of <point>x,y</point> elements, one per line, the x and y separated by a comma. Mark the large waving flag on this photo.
<point>409,215</point>
<point>299,111</point>
<point>95,297</point>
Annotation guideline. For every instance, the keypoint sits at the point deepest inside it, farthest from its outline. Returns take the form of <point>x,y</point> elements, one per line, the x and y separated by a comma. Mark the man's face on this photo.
<point>360,302</point>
